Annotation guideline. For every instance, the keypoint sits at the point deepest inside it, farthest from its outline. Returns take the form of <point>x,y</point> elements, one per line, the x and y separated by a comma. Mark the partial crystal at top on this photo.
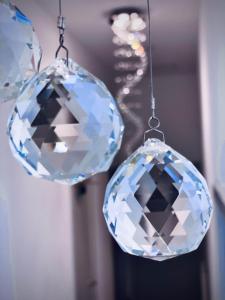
<point>157,205</point>
<point>20,51</point>
<point>65,125</point>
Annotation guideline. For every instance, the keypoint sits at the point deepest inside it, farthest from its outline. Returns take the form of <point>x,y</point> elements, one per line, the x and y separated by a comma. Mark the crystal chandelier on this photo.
<point>127,26</point>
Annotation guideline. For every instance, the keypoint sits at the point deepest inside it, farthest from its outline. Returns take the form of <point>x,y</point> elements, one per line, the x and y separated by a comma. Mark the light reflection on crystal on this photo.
<point>65,126</point>
<point>20,51</point>
<point>157,205</point>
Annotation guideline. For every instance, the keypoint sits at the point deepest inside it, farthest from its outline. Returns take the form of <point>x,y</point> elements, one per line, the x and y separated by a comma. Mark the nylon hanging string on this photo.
<point>60,8</point>
<point>152,99</point>
<point>153,122</point>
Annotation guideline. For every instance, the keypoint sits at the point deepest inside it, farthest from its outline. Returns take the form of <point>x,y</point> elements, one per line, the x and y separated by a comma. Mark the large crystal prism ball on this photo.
<point>65,126</point>
<point>20,51</point>
<point>157,205</point>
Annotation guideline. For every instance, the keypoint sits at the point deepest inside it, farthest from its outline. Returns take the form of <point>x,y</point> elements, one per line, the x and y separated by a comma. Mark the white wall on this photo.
<point>37,223</point>
<point>93,244</point>
<point>212,75</point>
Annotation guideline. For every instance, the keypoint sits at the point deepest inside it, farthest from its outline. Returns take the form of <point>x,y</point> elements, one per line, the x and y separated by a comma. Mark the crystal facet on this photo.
<point>157,205</point>
<point>20,51</point>
<point>65,125</point>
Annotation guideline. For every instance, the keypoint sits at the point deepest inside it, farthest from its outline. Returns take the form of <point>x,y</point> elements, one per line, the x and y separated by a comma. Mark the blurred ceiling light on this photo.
<point>128,27</point>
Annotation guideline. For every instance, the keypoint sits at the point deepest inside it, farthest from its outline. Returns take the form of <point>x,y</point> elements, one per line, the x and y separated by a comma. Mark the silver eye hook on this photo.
<point>154,124</point>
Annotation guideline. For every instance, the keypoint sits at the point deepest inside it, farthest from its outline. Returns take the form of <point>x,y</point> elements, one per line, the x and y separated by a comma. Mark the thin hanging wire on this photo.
<point>153,122</point>
<point>150,63</point>
<point>61,26</point>
<point>60,8</point>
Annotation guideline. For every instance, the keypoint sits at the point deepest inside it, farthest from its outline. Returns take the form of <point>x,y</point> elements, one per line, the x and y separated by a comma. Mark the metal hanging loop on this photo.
<point>161,133</point>
<point>61,26</point>
<point>154,124</point>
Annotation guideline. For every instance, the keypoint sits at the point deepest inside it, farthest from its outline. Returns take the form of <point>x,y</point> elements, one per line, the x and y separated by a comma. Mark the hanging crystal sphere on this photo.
<point>20,51</point>
<point>157,205</point>
<point>65,125</point>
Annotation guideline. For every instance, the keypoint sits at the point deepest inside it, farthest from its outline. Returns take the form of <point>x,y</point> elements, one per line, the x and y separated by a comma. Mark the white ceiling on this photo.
<point>174,27</point>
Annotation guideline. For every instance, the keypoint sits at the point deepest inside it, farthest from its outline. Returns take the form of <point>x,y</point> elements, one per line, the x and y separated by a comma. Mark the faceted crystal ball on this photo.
<point>20,51</point>
<point>157,205</point>
<point>65,126</point>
